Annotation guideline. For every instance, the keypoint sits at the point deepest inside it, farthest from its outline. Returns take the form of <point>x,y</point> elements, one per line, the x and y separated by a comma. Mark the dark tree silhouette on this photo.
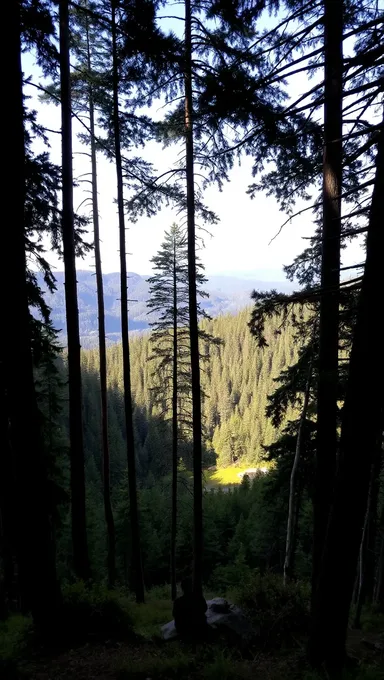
<point>361,421</point>
<point>330,273</point>
<point>169,296</point>
<point>101,319</point>
<point>79,528</point>
<point>133,506</point>
<point>25,505</point>
<point>193,316</point>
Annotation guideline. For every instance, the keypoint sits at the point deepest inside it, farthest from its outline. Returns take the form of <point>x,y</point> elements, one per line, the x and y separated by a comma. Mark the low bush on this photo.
<point>15,634</point>
<point>277,611</point>
<point>94,612</point>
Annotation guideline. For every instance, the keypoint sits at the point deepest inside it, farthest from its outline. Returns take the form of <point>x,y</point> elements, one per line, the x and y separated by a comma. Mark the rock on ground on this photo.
<point>221,616</point>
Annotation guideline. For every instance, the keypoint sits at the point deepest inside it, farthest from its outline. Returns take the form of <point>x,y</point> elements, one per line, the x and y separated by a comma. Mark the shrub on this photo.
<point>15,634</point>
<point>277,611</point>
<point>94,612</point>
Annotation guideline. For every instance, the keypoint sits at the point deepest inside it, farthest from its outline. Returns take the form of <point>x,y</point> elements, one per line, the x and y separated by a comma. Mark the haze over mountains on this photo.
<point>227,294</point>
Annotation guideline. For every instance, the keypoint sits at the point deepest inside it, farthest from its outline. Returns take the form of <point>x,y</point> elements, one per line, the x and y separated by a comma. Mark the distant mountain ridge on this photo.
<point>227,294</point>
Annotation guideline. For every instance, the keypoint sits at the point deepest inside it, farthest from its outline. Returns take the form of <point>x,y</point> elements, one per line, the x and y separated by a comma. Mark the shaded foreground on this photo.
<point>114,638</point>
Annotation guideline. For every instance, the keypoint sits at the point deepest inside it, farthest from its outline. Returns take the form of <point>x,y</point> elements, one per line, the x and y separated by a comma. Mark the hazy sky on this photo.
<point>239,242</point>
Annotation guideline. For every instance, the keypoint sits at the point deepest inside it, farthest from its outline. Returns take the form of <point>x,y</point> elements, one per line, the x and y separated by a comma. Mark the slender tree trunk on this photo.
<point>79,526</point>
<point>373,524</point>
<point>193,320</point>
<point>293,510</point>
<point>367,546</point>
<point>362,417</point>
<point>174,430</point>
<point>102,348</point>
<point>379,590</point>
<point>133,507</point>
<point>330,273</point>
<point>362,556</point>
<point>7,490</point>
<point>378,594</point>
<point>29,528</point>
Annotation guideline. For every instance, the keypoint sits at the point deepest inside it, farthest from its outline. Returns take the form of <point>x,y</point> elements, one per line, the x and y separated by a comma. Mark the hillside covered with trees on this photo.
<point>236,383</point>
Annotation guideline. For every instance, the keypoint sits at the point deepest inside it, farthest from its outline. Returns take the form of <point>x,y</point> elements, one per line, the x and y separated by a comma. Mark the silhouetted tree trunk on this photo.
<point>361,419</point>
<point>293,509</point>
<point>193,318</point>
<point>102,347</point>
<point>133,508</point>
<point>330,273</point>
<point>7,490</point>
<point>79,527</point>
<point>174,431</point>
<point>378,594</point>
<point>29,529</point>
<point>368,541</point>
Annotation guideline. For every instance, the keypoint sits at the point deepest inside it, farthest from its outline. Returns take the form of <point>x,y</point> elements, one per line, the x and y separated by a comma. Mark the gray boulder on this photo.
<point>168,631</point>
<point>222,616</point>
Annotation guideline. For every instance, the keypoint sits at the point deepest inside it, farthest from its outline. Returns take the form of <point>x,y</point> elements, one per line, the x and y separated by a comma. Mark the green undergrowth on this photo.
<point>95,613</point>
<point>108,628</point>
<point>157,610</point>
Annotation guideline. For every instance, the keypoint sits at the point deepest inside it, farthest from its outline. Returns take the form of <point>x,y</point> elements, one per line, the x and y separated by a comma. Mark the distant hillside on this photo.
<point>227,295</point>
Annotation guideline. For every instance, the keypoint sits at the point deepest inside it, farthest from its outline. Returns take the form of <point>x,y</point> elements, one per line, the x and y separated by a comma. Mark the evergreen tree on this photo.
<point>330,276</point>
<point>79,531</point>
<point>361,424</point>
<point>85,20</point>
<point>169,299</point>
<point>133,506</point>
<point>24,506</point>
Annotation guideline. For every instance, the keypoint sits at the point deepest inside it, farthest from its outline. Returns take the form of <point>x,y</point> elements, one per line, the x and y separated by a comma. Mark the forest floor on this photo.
<point>147,657</point>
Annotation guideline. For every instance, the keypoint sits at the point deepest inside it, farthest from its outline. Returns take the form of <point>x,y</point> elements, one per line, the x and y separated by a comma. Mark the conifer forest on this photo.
<point>238,456</point>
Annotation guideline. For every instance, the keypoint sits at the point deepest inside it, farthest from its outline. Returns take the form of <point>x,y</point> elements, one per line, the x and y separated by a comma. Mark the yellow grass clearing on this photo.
<point>223,476</point>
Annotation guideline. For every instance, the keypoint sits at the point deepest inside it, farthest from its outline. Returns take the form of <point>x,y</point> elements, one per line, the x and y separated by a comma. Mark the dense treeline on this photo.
<point>236,383</point>
<point>244,524</point>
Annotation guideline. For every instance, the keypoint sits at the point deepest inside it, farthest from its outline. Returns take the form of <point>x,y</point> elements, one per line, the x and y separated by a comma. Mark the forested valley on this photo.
<point>236,383</point>
<point>204,499</point>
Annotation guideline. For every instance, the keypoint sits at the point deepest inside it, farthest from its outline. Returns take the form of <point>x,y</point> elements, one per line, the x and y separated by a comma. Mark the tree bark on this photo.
<point>78,512</point>
<point>368,541</point>
<point>330,274</point>
<point>102,347</point>
<point>29,528</point>
<point>193,317</point>
<point>174,430</point>
<point>293,510</point>
<point>361,419</point>
<point>378,595</point>
<point>362,554</point>
<point>133,506</point>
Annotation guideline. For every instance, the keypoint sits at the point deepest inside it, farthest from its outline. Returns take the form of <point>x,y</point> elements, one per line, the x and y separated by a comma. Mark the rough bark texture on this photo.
<point>361,420</point>
<point>29,529</point>
<point>293,509</point>
<point>102,346</point>
<point>174,430</point>
<point>193,317</point>
<point>330,268</point>
<point>133,507</point>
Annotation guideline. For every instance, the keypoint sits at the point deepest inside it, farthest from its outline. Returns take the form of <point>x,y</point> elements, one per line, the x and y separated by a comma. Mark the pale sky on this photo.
<point>240,242</point>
